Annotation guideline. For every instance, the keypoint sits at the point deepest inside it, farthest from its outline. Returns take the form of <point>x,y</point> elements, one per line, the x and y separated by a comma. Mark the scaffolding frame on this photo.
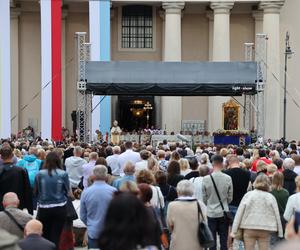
<point>261,58</point>
<point>254,106</point>
<point>84,98</point>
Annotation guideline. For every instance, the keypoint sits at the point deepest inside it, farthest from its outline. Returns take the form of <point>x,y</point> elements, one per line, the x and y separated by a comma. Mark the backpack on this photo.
<point>32,168</point>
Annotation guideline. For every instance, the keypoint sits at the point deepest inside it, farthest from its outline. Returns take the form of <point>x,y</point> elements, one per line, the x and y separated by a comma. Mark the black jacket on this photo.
<point>174,179</point>
<point>36,242</point>
<point>15,179</point>
<point>289,181</point>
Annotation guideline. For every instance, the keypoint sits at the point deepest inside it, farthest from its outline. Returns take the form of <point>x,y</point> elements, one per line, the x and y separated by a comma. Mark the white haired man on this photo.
<point>289,175</point>
<point>94,203</point>
<point>129,171</point>
<point>88,168</point>
<point>182,217</point>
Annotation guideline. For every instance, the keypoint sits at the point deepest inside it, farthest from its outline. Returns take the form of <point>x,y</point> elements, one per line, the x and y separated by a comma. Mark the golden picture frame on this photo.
<point>231,115</point>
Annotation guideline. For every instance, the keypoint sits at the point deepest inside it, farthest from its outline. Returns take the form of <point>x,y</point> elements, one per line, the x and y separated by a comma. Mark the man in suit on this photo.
<point>33,239</point>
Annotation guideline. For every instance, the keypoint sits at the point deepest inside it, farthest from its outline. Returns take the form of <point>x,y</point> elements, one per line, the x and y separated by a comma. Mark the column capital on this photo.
<point>162,15</point>
<point>271,6</point>
<point>258,15</point>
<point>221,7</point>
<point>64,14</point>
<point>15,13</point>
<point>112,12</point>
<point>210,15</point>
<point>173,7</point>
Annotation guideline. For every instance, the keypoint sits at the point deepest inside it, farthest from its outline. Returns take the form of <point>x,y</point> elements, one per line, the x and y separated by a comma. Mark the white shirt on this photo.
<point>128,155</point>
<point>77,223</point>
<point>293,204</point>
<point>297,170</point>
<point>157,197</point>
<point>197,181</point>
<point>113,162</point>
<point>74,169</point>
<point>141,165</point>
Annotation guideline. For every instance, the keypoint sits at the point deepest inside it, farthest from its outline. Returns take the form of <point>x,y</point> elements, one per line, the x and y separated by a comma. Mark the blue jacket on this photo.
<point>32,165</point>
<point>52,189</point>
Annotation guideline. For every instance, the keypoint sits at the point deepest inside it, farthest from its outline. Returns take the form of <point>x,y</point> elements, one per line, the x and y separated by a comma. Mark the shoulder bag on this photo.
<point>205,237</point>
<point>227,215</point>
<point>14,220</point>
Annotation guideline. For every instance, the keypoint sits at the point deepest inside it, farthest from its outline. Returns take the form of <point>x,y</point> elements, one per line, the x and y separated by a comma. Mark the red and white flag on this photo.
<point>51,75</point>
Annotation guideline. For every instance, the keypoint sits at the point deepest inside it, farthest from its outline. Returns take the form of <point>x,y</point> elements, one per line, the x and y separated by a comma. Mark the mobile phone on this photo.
<point>297,221</point>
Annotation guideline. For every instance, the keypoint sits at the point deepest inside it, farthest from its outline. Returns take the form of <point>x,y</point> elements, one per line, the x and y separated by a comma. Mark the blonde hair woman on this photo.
<point>271,170</point>
<point>18,154</point>
<point>184,167</point>
<point>153,165</point>
<point>258,216</point>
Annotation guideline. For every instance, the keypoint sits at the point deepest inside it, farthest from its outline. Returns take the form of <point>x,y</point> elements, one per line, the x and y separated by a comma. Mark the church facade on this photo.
<point>191,30</point>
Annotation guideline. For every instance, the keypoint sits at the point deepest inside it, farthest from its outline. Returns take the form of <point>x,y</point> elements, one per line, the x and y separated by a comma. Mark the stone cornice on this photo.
<point>221,7</point>
<point>271,6</point>
<point>173,7</point>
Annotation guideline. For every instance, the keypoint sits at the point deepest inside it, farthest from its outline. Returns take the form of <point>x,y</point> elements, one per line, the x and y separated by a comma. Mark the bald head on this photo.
<point>33,227</point>
<point>10,200</point>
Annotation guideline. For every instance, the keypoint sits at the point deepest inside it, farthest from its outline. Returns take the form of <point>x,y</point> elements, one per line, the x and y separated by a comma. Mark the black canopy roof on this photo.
<point>171,78</point>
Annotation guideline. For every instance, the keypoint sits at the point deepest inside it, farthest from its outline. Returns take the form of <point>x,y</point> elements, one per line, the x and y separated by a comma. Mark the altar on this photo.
<point>239,140</point>
<point>231,133</point>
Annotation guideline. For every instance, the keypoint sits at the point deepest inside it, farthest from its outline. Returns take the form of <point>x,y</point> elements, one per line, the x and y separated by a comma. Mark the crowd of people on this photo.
<point>133,197</point>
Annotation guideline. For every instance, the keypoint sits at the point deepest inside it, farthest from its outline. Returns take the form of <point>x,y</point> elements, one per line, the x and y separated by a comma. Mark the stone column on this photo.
<point>15,104</point>
<point>221,52</point>
<point>258,16</point>
<point>210,17</point>
<point>273,100</point>
<point>172,106</point>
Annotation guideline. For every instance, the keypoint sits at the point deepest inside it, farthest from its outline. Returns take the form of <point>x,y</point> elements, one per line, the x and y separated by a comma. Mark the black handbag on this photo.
<point>205,237</point>
<point>165,236</point>
<point>227,215</point>
<point>71,212</point>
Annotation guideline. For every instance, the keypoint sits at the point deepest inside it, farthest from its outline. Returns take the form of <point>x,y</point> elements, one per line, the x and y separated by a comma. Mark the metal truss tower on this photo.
<point>84,98</point>
<point>261,58</point>
<point>248,99</point>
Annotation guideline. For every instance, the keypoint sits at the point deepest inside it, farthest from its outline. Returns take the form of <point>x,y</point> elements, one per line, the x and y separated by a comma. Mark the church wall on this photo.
<point>242,30</point>
<point>135,54</point>
<point>29,69</point>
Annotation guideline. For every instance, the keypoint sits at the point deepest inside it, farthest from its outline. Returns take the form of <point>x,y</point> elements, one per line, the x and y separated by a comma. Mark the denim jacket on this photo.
<point>52,189</point>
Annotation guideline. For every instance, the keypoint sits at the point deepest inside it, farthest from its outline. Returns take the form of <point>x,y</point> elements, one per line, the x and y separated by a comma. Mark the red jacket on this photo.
<point>267,161</point>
